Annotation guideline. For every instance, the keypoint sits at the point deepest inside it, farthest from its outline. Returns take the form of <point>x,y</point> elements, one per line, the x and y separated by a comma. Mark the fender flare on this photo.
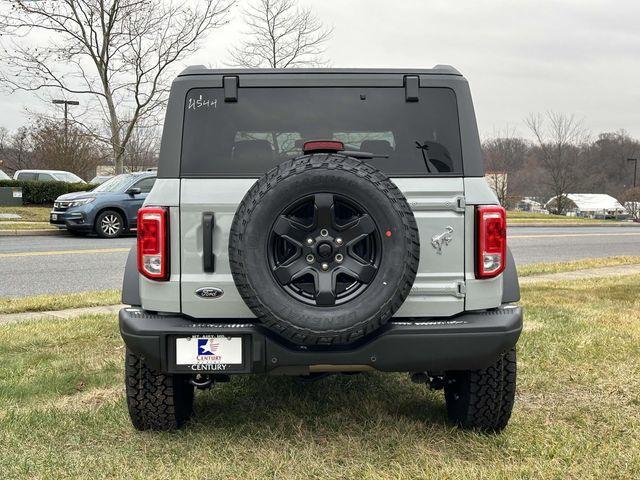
<point>510,284</point>
<point>130,282</point>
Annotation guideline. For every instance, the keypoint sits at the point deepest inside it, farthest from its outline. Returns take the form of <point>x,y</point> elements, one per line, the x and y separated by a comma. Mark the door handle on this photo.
<point>208,257</point>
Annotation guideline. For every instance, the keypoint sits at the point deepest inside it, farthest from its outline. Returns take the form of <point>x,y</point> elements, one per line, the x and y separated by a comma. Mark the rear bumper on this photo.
<point>468,341</point>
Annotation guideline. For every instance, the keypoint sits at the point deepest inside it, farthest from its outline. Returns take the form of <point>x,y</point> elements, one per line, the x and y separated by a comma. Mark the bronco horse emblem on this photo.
<point>437,241</point>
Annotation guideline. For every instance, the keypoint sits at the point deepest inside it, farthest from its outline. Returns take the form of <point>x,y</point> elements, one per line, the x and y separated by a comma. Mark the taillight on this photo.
<point>153,255</point>
<point>491,240</point>
<point>323,146</point>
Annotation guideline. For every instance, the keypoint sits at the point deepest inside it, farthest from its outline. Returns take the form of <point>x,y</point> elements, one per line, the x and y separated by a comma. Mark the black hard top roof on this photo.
<point>437,70</point>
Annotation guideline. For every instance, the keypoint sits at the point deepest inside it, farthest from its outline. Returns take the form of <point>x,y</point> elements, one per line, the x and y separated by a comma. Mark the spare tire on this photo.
<point>324,249</point>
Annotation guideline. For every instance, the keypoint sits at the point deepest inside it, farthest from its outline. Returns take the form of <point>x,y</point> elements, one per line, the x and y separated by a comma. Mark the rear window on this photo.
<point>269,125</point>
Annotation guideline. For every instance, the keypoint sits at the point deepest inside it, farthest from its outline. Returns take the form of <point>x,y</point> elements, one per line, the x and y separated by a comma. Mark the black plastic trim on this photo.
<point>510,284</point>
<point>130,282</point>
<point>468,341</point>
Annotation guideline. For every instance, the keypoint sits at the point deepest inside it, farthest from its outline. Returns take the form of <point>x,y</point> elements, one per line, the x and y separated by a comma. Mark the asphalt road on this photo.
<point>38,265</point>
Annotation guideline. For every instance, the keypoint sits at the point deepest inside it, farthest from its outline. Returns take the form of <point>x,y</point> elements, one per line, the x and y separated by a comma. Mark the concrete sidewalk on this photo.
<point>60,314</point>
<point>589,273</point>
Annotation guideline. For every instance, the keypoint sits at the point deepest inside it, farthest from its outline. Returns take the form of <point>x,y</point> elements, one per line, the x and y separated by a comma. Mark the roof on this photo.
<point>592,202</point>
<point>202,70</point>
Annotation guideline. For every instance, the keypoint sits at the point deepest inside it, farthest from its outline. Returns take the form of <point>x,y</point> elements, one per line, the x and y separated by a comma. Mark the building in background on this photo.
<point>591,205</point>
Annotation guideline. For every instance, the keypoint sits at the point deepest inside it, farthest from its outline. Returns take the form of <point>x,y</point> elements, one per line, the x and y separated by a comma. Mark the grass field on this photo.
<point>30,213</point>
<point>527,217</point>
<point>40,303</point>
<point>577,415</point>
<point>545,268</point>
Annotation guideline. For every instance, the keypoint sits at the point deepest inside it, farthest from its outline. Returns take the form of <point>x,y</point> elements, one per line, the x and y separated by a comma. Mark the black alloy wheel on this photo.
<point>324,250</point>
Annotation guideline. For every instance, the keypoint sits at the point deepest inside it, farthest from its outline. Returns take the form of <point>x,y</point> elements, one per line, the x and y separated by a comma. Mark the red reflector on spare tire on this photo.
<point>153,252</point>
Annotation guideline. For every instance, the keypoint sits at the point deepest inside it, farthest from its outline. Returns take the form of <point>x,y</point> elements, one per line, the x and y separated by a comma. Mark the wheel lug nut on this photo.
<point>310,258</point>
<point>339,258</point>
<point>324,232</point>
<point>339,241</point>
<point>325,266</point>
<point>309,241</point>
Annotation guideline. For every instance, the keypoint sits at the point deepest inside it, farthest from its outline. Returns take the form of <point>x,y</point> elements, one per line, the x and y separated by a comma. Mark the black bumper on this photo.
<point>71,221</point>
<point>468,341</point>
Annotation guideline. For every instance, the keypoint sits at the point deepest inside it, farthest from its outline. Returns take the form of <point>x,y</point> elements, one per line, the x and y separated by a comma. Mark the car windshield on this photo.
<point>115,184</point>
<point>68,177</point>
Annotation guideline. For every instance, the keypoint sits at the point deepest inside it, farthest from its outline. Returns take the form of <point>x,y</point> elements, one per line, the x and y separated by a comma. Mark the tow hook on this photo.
<point>202,382</point>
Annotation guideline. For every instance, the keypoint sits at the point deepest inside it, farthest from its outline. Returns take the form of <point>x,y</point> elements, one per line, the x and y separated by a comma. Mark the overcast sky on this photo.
<point>573,56</point>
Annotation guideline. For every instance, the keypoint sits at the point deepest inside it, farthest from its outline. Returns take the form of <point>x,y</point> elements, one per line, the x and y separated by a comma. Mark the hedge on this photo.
<point>41,193</point>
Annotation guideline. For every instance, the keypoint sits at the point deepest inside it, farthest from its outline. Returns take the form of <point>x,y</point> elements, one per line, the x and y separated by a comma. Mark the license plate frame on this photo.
<point>233,350</point>
<point>54,217</point>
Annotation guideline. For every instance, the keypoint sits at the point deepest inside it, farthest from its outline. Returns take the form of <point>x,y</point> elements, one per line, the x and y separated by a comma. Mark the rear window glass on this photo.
<point>270,125</point>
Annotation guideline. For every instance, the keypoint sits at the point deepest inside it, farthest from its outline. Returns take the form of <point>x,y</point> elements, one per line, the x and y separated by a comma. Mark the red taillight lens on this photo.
<point>153,255</point>
<point>323,146</point>
<point>491,241</point>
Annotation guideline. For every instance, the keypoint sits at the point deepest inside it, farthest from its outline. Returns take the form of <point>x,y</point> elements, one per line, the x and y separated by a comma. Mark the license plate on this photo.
<point>209,350</point>
<point>54,216</point>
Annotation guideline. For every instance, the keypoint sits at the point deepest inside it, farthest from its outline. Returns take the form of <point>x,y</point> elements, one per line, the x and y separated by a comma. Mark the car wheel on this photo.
<point>482,399</point>
<point>109,224</point>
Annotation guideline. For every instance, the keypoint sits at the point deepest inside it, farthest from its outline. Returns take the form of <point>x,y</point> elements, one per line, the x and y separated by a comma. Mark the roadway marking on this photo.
<point>561,235</point>
<point>64,252</point>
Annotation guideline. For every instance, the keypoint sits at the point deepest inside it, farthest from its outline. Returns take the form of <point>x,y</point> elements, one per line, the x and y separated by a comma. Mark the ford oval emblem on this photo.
<point>209,292</point>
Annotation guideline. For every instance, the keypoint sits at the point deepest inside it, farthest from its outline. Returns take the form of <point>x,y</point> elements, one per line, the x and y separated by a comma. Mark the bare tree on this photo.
<point>69,149</point>
<point>17,152</point>
<point>505,156</point>
<point>631,201</point>
<point>559,139</point>
<point>119,53</point>
<point>142,150</point>
<point>280,35</point>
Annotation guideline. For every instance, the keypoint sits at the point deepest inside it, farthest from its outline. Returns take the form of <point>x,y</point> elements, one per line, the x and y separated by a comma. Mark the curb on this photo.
<point>574,225</point>
<point>31,233</point>
<point>59,314</point>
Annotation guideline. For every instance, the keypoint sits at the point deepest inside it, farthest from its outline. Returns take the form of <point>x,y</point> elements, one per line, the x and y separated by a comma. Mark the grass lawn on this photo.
<point>527,217</point>
<point>577,415</point>
<point>40,303</point>
<point>545,268</point>
<point>34,213</point>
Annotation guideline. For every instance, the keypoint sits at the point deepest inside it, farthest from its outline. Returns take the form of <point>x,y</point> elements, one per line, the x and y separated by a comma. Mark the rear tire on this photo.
<point>109,224</point>
<point>156,401</point>
<point>482,399</point>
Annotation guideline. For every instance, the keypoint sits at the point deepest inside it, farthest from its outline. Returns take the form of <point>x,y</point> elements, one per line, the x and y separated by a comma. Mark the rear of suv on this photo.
<point>309,222</point>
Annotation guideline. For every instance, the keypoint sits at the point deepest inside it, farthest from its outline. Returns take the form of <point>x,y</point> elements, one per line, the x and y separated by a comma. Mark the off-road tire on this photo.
<point>482,399</point>
<point>340,324</point>
<point>156,401</point>
<point>117,219</point>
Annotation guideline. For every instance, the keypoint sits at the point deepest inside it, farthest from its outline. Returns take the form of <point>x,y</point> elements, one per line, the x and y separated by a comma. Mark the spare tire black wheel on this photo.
<point>324,249</point>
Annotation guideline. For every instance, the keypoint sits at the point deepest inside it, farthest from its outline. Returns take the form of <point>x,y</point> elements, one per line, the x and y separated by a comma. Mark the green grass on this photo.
<point>29,213</point>
<point>577,414</point>
<point>527,217</point>
<point>546,268</point>
<point>40,303</point>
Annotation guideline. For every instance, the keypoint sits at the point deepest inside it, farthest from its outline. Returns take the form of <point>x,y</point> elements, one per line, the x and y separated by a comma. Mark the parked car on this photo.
<point>100,179</point>
<point>48,176</point>
<point>4,176</point>
<point>314,222</point>
<point>109,210</point>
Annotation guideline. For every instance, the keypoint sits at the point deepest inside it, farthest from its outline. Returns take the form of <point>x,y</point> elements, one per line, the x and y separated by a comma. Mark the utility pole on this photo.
<point>635,169</point>
<point>66,104</point>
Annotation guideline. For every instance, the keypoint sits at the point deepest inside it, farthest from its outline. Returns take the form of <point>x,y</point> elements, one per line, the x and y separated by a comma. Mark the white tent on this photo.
<point>590,204</point>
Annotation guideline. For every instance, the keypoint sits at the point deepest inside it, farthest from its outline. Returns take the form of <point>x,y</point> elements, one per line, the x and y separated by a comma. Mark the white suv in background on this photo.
<point>48,176</point>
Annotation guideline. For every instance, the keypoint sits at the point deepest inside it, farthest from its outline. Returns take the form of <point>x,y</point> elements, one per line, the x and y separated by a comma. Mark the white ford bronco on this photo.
<point>307,222</point>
